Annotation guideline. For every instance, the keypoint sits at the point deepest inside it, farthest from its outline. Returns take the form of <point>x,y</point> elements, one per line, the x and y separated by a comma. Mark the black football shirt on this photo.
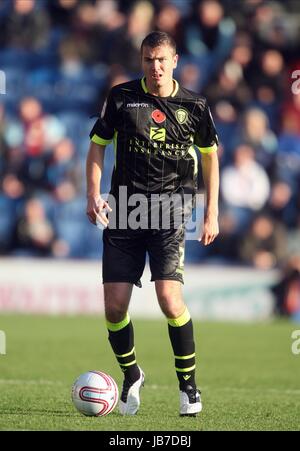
<point>155,138</point>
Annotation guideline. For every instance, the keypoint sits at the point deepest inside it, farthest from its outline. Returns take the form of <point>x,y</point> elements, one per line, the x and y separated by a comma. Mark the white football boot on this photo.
<point>190,402</point>
<point>130,398</point>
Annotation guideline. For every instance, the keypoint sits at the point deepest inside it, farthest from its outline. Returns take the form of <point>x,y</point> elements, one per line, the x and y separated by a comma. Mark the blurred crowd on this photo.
<point>60,58</point>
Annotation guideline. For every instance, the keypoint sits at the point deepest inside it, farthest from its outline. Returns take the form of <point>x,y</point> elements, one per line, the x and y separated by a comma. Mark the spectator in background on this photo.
<point>27,28</point>
<point>282,203</point>
<point>229,94</point>
<point>255,131</point>
<point>287,168</point>
<point>271,73</point>
<point>245,187</point>
<point>191,76</point>
<point>12,158</point>
<point>97,23</point>
<point>169,19</point>
<point>40,133</point>
<point>287,290</point>
<point>31,115</point>
<point>63,168</point>
<point>41,130</point>
<point>109,15</point>
<point>290,116</point>
<point>73,55</point>
<point>91,25</point>
<point>267,79</point>
<point>86,35</point>
<point>242,51</point>
<point>230,86</point>
<point>273,26</point>
<point>3,145</point>
<point>13,186</point>
<point>208,35</point>
<point>115,76</point>
<point>264,244</point>
<point>126,41</point>
<point>62,12</point>
<point>34,233</point>
<point>65,191</point>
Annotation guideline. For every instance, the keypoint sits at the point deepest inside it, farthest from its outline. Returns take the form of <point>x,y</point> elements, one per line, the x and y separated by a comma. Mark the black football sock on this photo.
<point>182,340</point>
<point>121,338</point>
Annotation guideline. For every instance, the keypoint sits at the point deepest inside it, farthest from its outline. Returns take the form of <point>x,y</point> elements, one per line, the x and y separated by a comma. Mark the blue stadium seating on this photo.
<point>8,215</point>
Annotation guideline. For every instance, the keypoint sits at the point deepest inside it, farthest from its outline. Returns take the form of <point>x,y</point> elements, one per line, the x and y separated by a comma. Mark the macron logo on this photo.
<point>137,105</point>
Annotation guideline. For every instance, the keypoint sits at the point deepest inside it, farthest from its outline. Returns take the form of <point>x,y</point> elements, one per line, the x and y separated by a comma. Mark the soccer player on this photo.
<point>157,127</point>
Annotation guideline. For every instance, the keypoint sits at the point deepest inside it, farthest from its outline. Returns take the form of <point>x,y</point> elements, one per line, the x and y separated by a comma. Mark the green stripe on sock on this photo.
<point>114,327</point>
<point>128,364</point>
<point>181,320</point>
<point>184,357</point>
<point>185,370</point>
<point>125,355</point>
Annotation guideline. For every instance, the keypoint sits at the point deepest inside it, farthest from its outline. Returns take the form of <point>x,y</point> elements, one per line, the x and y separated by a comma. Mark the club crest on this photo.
<point>181,115</point>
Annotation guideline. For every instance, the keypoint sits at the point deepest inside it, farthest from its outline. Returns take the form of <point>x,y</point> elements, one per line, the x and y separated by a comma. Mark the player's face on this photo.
<point>158,64</point>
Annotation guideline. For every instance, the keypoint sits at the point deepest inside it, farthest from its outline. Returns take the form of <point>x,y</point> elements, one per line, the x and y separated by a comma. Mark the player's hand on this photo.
<point>210,230</point>
<point>96,210</point>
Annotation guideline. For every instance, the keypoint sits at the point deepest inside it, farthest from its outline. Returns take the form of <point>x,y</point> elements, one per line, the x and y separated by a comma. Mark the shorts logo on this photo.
<point>158,116</point>
<point>181,115</point>
<point>158,134</point>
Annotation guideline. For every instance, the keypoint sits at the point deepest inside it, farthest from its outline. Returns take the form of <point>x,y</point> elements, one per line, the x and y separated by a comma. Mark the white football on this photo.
<point>95,393</point>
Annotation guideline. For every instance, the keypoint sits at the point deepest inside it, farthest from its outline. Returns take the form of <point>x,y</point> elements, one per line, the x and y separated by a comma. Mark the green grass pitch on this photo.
<point>249,377</point>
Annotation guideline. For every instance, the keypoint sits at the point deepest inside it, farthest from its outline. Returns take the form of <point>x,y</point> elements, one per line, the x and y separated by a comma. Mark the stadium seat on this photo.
<point>15,83</point>
<point>93,241</point>
<point>73,210</point>
<point>8,217</point>
<point>15,58</point>
<point>41,84</point>
<point>77,124</point>
<point>70,231</point>
<point>5,7</point>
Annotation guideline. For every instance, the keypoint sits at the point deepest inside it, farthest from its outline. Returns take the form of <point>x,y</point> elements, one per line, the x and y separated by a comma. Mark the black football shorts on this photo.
<point>124,254</point>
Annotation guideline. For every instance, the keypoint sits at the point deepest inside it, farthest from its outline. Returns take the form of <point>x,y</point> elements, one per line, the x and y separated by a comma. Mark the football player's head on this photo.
<point>159,58</point>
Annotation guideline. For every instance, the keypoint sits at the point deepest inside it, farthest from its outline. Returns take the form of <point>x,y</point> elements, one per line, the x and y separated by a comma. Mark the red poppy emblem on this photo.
<point>158,116</point>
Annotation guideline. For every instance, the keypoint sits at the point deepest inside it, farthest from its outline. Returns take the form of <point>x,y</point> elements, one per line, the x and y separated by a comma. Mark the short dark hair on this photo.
<point>158,38</point>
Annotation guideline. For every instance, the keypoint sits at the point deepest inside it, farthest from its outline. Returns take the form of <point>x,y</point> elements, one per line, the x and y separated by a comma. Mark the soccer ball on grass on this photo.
<point>95,393</point>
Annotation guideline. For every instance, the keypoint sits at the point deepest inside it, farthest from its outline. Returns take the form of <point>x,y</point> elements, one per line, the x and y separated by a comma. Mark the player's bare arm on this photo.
<point>210,171</point>
<point>94,166</point>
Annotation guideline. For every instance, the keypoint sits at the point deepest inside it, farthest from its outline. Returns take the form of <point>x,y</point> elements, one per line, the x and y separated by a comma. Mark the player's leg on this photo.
<point>123,264</point>
<point>120,329</point>
<point>166,252</point>
<point>180,326</point>
<point>121,337</point>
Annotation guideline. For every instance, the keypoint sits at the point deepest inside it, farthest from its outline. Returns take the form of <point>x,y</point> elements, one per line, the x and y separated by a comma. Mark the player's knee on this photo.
<point>171,306</point>
<point>115,309</point>
<point>116,302</point>
<point>115,314</point>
